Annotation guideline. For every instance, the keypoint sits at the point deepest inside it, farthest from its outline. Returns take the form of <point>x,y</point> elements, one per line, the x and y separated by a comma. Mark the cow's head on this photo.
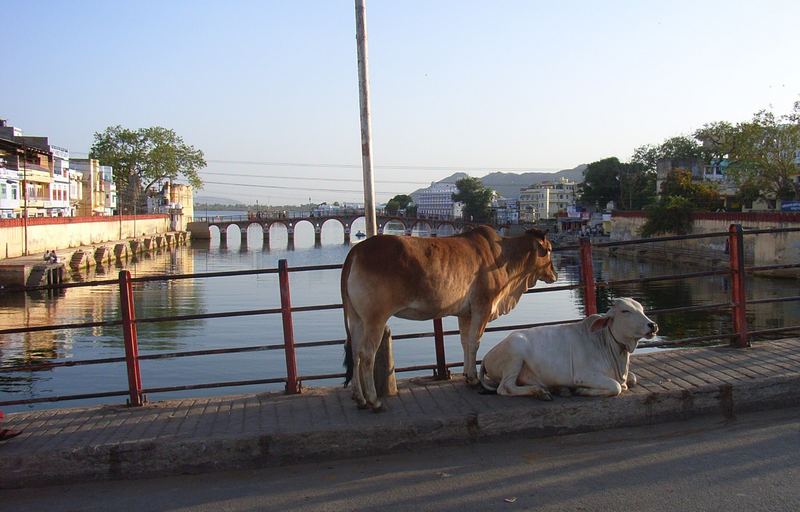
<point>543,263</point>
<point>627,322</point>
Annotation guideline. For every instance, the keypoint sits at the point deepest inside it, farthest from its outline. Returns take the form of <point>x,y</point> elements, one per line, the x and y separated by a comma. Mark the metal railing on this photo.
<point>136,392</point>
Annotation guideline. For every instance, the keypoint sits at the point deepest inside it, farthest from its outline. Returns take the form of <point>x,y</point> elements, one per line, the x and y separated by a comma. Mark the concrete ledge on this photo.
<point>165,455</point>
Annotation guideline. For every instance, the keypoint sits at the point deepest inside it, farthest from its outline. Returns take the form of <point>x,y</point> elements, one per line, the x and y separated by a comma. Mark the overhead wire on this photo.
<point>239,175</point>
<point>279,187</point>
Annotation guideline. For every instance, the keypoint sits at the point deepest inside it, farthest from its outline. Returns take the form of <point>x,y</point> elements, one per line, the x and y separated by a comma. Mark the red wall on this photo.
<point>727,216</point>
<point>43,221</point>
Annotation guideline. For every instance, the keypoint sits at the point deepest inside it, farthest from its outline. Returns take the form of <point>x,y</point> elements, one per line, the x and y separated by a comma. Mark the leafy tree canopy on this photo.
<point>630,185</point>
<point>637,186</point>
<point>673,214</point>
<point>760,152</point>
<point>147,156</point>
<point>681,146</point>
<point>477,199</point>
<point>601,182</point>
<point>398,202</point>
<point>702,195</point>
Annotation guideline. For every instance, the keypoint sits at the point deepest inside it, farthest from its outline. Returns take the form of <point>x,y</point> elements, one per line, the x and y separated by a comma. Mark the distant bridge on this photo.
<point>200,227</point>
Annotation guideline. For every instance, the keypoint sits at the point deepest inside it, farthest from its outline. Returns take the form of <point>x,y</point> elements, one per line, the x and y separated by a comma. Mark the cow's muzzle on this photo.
<point>653,330</point>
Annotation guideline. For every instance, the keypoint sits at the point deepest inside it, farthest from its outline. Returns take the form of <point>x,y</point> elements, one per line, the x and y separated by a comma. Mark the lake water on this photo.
<point>185,297</point>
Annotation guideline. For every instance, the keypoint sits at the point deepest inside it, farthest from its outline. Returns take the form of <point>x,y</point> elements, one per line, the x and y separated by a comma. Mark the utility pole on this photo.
<point>24,197</point>
<point>385,381</point>
<point>366,128</point>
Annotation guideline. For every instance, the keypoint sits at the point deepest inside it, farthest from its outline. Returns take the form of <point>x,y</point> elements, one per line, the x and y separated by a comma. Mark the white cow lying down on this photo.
<point>590,357</point>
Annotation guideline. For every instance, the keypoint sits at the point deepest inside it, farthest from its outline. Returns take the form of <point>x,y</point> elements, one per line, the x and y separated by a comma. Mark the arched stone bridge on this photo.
<point>201,226</point>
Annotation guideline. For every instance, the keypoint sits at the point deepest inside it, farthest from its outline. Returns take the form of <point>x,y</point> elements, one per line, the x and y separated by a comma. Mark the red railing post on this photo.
<point>292,385</point>
<point>587,276</point>
<point>136,398</point>
<point>441,372</point>
<point>738,295</point>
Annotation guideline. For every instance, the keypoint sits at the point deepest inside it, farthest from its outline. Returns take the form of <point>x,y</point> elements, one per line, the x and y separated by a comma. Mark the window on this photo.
<point>3,190</point>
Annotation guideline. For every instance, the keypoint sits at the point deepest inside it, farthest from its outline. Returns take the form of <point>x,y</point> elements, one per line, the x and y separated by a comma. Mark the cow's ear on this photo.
<point>598,322</point>
<point>541,250</point>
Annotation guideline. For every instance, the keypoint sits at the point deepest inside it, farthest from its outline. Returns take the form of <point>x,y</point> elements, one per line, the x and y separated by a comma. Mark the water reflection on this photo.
<point>195,296</point>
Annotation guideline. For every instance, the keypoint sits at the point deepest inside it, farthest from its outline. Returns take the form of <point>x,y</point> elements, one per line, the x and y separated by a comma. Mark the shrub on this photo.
<point>670,215</point>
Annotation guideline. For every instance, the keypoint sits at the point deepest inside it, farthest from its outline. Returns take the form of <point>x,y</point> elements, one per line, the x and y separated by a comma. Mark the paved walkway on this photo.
<point>198,435</point>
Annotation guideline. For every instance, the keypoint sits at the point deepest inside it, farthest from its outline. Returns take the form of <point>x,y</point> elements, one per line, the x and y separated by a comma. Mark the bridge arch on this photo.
<point>392,223</point>
<point>420,224</point>
<point>350,220</point>
<point>445,229</point>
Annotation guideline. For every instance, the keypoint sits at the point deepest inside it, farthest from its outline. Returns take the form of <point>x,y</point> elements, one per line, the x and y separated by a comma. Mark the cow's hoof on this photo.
<point>361,405</point>
<point>381,407</point>
<point>547,397</point>
<point>472,381</point>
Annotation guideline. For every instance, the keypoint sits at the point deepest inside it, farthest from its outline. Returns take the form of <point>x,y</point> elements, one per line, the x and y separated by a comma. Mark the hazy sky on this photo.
<point>456,85</point>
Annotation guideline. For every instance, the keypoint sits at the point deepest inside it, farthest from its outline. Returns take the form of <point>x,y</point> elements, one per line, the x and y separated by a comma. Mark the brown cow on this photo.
<point>476,276</point>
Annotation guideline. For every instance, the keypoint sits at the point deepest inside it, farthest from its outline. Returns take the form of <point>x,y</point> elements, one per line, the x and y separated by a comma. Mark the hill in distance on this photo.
<point>215,200</point>
<point>508,184</point>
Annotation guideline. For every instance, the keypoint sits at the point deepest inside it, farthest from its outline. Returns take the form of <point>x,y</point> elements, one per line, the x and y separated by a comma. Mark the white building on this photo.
<point>59,189</point>
<point>9,190</point>
<point>75,191</point>
<point>109,189</point>
<point>437,200</point>
<point>544,200</point>
<point>506,211</point>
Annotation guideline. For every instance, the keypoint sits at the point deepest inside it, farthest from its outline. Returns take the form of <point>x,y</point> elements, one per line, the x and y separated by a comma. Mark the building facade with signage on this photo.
<point>437,201</point>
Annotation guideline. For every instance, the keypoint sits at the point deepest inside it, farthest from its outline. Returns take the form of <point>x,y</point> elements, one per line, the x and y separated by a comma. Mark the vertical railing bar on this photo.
<point>587,276</point>
<point>441,372</point>
<point>738,293</point>
<point>292,384</point>
<point>129,334</point>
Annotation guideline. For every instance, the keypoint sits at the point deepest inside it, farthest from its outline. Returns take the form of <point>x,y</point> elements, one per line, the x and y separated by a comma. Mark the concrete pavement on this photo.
<point>269,430</point>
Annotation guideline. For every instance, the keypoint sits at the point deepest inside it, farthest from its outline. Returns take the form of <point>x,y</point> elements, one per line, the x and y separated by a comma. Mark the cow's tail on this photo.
<point>489,387</point>
<point>347,308</point>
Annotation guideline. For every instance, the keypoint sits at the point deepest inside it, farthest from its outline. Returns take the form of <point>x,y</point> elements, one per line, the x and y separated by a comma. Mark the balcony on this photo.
<point>37,175</point>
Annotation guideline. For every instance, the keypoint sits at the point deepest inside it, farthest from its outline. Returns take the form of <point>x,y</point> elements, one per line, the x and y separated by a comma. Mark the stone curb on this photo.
<point>151,458</point>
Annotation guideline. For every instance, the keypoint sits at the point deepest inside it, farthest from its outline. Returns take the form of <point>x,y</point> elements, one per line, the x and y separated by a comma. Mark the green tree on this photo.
<point>637,186</point>
<point>601,183</point>
<point>701,195</point>
<point>144,157</point>
<point>748,192</point>
<point>398,202</point>
<point>673,214</point>
<point>760,152</point>
<point>477,199</point>
<point>681,146</point>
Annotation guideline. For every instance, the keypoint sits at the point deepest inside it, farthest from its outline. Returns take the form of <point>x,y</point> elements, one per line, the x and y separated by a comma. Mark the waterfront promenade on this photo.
<point>263,430</point>
<point>27,270</point>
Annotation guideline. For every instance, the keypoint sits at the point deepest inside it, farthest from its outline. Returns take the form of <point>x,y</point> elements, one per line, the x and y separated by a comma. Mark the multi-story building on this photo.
<point>9,180</point>
<point>694,165</point>
<point>45,171</point>
<point>93,200</point>
<point>59,190</point>
<point>109,189</point>
<point>437,200</point>
<point>75,191</point>
<point>544,200</point>
<point>176,200</point>
<point>505,211</point>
